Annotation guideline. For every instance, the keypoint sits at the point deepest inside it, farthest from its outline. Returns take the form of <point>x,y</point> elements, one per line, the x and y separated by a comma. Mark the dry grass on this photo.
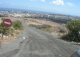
<point>58,29</point>
<point>10,37</point>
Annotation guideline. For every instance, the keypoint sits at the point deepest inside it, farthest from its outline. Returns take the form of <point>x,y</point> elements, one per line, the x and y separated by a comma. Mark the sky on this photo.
<point>70,7</point>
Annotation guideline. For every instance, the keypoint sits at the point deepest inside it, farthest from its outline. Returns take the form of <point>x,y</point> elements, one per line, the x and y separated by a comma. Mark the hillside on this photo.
<point>56,28</point>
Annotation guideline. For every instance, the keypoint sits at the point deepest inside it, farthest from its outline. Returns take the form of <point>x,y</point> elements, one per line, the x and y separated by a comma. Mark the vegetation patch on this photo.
<point>17,25</point>
<point>43,27</point>
<point>73,33</point>
<point>10,32</point>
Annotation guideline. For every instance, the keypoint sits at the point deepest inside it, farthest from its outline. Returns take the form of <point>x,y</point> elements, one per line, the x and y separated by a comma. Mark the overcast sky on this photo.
<point>71,7</point>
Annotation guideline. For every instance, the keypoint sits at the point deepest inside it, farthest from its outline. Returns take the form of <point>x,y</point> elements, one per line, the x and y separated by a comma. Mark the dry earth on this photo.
<point>55,26</point>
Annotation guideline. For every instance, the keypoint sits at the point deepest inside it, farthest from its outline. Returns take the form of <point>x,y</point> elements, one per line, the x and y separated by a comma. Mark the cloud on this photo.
<point>42,0</point>
<point>58,2</point>
<point>70,4</point>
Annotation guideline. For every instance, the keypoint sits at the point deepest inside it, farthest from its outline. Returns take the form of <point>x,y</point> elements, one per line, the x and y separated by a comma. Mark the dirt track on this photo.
<point>37,44</point>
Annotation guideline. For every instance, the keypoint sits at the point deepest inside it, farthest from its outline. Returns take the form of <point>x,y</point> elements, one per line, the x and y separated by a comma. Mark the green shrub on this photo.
<point>7,31</point>
<point>4,30</point>
<point>1,28</point>
<point>32,25</point>
<point>17,25</point>
<point>74,28</point>
<point>46,28</point>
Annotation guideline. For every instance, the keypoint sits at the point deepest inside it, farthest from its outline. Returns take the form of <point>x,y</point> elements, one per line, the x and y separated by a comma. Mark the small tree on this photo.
<point>74,28</point>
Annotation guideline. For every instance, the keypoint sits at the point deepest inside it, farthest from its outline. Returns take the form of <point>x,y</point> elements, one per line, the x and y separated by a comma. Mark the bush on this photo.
<point>63,30</point>
<point>17,25</point>
<point>1,28</point>
<point>43,27</point>
<point>4,30</point>
<point>32,25</point>
<point>46,28</point>
<point>7,31</point>
<point>74,28</point>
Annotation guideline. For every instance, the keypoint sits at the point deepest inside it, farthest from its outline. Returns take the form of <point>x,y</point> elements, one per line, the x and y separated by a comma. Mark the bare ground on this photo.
<point>55,26</point>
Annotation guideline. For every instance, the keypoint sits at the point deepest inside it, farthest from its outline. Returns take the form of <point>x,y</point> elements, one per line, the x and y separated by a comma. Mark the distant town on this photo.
<point>25,14</point>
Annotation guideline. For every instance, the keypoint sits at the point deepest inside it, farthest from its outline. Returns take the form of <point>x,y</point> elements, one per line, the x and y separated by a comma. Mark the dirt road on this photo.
<point>37,43</point>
